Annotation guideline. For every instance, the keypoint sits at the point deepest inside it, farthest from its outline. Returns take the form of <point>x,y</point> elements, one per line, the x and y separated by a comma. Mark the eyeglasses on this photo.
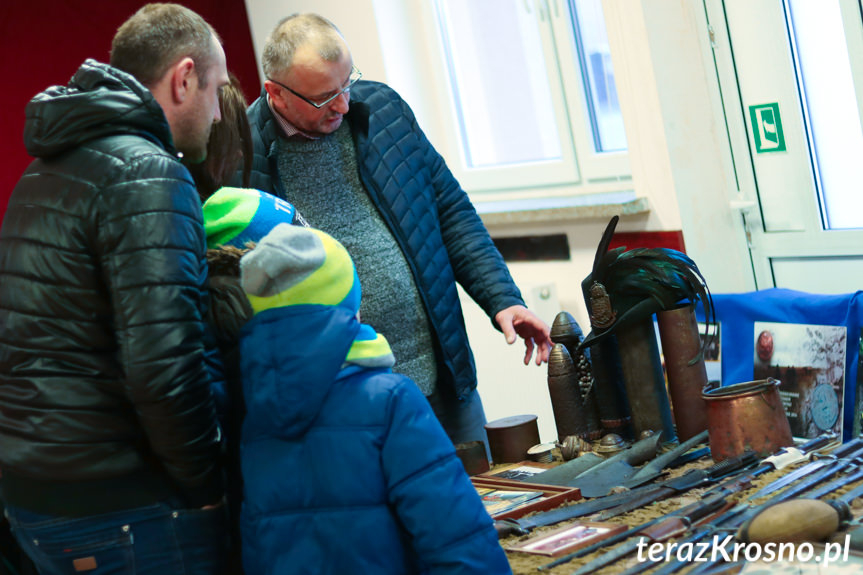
<point>353,79</point>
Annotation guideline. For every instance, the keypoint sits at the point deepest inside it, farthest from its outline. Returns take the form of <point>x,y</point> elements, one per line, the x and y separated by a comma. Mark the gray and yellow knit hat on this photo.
<point>294,265</point>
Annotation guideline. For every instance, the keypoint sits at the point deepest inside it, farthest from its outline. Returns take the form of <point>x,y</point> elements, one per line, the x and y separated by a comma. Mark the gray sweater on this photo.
<point>321,179</point>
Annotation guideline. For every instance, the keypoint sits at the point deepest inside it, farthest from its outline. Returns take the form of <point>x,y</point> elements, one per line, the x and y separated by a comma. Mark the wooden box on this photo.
<point>550,496</point>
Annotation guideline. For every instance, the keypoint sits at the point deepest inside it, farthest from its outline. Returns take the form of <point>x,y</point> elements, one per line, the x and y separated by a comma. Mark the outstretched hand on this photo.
<point>520,321</point>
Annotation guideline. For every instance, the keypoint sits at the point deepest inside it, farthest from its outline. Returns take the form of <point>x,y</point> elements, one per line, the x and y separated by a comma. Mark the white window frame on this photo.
<point>581,170</point>
<point>783,225</point>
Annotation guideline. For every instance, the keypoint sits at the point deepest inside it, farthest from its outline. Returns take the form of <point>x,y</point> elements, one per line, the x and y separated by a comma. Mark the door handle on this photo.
<point>743,206</point>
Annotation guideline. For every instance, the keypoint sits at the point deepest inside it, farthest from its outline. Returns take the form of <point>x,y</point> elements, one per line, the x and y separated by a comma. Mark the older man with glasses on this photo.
<point>350,156</point>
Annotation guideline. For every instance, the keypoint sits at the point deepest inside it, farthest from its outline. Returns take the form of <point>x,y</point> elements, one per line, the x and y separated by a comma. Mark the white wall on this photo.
<point>674,118</point>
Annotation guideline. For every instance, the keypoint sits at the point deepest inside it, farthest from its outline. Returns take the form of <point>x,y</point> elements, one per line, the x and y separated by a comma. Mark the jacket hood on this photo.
<point>291,356</point>
<point>99,101</point>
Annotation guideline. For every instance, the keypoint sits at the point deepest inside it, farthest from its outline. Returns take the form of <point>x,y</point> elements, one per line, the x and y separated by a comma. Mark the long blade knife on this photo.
<point>522,526</point>
<point>689,480</point>
<point>671,526</point>
<point>811,467</point>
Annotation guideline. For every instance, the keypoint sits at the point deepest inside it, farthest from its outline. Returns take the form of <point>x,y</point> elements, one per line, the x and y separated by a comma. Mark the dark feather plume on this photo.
<point>666,276</point>
<point>602,248</point>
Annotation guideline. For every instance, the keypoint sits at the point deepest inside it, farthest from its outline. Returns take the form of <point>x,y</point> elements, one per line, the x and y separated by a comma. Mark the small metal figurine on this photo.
<point>602,315</point>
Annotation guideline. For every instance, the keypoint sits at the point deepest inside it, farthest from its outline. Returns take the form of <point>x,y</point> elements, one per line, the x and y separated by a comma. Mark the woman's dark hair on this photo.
<point>230,143</point>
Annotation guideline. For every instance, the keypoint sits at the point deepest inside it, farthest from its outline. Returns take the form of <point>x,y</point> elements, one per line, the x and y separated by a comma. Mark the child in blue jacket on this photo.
<point>345,466</point>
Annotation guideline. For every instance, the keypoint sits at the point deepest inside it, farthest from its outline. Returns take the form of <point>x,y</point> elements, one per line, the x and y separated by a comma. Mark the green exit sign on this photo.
<point>767,128</point>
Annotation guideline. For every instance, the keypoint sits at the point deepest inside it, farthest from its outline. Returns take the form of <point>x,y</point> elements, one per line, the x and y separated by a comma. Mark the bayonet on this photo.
<point>653,468</point>
<point>599,544</point>
<point>672,525</point>
<point>832,468</point>
<point>728,486</point>
<point>719,523</point>
<point>848,479</point>
<point>690,456</point>
<point>807,524</point>
<point>633,498</point>
<point>791,455</point>
<point>796,520</point>
<point>811,467</point>
<point>522,526</point>
<point>689,480</point>
<point>745,512</point>
<point>820,461</point>
<point>700,508</point>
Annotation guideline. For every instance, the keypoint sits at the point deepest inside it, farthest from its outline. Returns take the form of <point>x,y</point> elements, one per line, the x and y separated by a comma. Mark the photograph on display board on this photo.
<point>712,345</point>
<point>497,501</point>
<point>809,362</point>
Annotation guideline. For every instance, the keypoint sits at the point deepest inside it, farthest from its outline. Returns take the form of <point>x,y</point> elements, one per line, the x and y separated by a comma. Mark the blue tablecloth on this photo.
<point>738,312</point>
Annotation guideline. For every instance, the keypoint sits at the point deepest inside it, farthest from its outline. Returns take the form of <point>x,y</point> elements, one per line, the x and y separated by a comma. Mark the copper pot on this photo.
<point>746,416</point>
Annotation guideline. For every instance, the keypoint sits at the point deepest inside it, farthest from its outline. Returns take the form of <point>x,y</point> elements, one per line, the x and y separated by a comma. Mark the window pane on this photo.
<point>831,106</point>
<point>498,75</point>
<point>593,52</point>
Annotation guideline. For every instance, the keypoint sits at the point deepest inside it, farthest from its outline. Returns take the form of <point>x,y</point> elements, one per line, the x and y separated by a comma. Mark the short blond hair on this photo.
<point>299,30</point>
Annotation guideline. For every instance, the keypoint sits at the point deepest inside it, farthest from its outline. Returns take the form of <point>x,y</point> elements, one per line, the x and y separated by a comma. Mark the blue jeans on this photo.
<point>156,539</point>
<point>463,420</point>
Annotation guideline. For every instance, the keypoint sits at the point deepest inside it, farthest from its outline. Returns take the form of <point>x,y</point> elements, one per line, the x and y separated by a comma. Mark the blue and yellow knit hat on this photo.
<point>236,216</point>
<point>294,265</point>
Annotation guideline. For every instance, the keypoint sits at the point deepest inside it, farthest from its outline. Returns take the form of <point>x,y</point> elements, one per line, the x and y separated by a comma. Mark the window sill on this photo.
<point>539,210</point>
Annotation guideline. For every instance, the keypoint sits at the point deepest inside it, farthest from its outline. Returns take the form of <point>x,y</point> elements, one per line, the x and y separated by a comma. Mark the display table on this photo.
<point>525,563</point>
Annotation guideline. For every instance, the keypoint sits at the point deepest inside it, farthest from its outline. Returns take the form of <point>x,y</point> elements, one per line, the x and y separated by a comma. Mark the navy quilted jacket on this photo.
<point>428,213</point>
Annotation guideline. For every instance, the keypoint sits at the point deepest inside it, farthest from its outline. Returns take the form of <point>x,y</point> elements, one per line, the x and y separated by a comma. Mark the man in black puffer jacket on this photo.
<point>109,443</point>
<point>351,158</point>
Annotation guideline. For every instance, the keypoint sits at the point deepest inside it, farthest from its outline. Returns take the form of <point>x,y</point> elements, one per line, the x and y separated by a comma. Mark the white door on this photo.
<point>791,76</point>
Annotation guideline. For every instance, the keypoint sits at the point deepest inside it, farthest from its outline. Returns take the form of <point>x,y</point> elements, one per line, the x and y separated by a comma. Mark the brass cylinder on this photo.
<point>644,380</point>
<point>565,393</point>
<point>509,438</point>
<point>684,368</point>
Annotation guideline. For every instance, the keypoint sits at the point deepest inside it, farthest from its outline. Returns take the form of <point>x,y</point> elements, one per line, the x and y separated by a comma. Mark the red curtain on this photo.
<point>42,43</point>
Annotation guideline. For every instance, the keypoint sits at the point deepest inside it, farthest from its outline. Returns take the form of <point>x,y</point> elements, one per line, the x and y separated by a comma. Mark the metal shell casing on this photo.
<point>684,368</point>
<point>565,393</point>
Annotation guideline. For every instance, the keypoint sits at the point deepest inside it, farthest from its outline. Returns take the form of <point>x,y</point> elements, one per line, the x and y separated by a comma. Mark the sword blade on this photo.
<point>838,483</point>
<point>582,509</point>
<point>817,478</point>
<point>608,558</point>
<point>790,478</point>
